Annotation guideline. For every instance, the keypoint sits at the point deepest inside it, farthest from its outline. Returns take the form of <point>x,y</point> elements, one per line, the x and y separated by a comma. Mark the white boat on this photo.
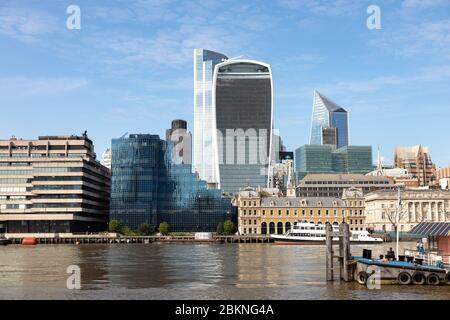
<point>310,233</point>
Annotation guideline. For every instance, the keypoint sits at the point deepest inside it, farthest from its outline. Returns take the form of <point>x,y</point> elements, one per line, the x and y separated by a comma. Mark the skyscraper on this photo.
<point>243,114</point>
<point>327,114</point>
<point>204,118</point>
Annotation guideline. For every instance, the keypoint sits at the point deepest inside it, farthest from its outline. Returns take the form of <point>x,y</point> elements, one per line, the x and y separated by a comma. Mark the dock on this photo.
<point>116,239</point>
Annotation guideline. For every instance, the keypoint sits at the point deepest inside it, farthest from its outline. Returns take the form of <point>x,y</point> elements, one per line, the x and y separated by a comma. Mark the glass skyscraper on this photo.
<point>204,117</point>
<point>243,107</point>
<point>327,114</point>
<point>148,187</point>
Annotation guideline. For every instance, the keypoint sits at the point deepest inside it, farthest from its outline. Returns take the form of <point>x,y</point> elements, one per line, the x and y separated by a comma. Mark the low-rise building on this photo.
<point>416,206</point>
<point>333,185</point>
<point>259,214</point>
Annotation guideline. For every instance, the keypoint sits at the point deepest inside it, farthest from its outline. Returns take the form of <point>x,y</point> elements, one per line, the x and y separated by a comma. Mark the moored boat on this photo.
<point>302,232</point>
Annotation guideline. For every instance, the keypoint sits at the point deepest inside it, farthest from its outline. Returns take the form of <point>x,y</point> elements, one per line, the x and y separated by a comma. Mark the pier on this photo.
<point>117,239</point>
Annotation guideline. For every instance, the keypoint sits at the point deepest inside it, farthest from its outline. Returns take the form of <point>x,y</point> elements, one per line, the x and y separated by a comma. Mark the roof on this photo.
<point>330,105</point>
<point>341,177</point>
<point>432,229</point>
<point>325,202</point>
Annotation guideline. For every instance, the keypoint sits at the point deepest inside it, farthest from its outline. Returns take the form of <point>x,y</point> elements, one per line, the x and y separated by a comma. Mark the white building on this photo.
<point>106,158</point>
<point>416,206</point>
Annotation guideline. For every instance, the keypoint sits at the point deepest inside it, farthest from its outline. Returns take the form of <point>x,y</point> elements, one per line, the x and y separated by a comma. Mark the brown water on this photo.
<point>162,271</point>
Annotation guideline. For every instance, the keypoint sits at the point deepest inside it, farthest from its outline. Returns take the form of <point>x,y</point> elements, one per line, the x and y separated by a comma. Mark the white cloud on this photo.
<point>25,24</point>
<point>328,8</point>
<point>39,86</point>
<point>424,3</point>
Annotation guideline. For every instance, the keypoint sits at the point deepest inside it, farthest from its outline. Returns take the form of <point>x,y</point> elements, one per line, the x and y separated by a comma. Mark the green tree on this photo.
<point>145,229</point>
<point>220,228</point>
<point>115,226</point>
<point>126,231</point>
<point>164,228</point>
<point>229,227</point>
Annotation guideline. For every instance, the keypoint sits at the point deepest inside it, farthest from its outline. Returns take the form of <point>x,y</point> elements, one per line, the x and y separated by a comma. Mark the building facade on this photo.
<point>355,214</point>
<point>275,215</point>
<point>333,185</point>
<point>52,185</point>
<point>149,187</point>
<point>417,161</point>
<point>327,114</point>
<point>328,159</point>
<point>204,148</point>
<point>243,106</point>
<point>416,206</point>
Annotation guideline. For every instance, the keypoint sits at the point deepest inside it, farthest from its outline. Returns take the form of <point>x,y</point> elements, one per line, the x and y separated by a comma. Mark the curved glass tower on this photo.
<point>204,127</point>
<point>243,110</point>
<point>327,115</point>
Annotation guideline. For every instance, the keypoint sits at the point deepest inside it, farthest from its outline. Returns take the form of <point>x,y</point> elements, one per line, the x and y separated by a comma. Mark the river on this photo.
<point>174,271</point>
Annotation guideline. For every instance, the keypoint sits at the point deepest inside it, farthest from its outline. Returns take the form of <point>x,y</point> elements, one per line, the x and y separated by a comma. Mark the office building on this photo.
<point>204,147</point>
<point>416,206</point>
<point>106,158</point>
<point>417,161</point>
<point>333,184</point>
<point>182,140</point>
<point>52,185</point>
<point>329,122</point>
<point>328,159</point>
<point>149,187</point>
<point>243,105</point>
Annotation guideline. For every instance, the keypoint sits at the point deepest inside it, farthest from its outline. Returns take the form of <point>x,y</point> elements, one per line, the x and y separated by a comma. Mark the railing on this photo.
<point>429,257</point>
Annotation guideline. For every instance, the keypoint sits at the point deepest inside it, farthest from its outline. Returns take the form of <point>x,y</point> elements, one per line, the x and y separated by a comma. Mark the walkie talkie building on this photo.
<point>243,106</point>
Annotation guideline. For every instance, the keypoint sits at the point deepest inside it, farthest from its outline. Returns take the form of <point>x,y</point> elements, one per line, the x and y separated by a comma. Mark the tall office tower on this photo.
<point>149,187</point>
<point>243,109</point>
<point>327,114</point>
<point>417,161</point>
<point>53,184</point>
<point>204,152</point>
<point>106,158</point>
<point>182,139</point>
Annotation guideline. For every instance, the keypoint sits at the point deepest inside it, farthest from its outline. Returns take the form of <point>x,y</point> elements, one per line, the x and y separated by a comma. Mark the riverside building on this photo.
<point>261,214</point>
<point>417,161</point>
<point>149,186</point>
<point>416,206</point>
<point>52,185</point>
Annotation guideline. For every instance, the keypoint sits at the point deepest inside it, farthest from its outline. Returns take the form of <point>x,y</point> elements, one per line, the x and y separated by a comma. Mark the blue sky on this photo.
<point>130,67</point>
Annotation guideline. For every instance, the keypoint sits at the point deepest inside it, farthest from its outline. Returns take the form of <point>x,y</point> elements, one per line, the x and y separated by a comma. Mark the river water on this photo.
<point>182,271</point>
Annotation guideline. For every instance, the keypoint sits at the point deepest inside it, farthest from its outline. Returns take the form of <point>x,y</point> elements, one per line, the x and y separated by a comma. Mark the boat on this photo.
<point>400,272</point>
<point>303,232</point>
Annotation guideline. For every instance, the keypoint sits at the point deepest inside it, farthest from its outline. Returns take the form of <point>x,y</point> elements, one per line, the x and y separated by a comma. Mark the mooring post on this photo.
<point>346,253</point>
<point>329,245</point>
<point>341,251</point>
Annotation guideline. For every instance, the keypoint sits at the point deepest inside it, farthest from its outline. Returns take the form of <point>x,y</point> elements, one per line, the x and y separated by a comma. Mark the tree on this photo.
<point>145,229</point>
<point>115,226</point>
<point>220,229</point>
<point>229,227</point>
<point>164,228</point>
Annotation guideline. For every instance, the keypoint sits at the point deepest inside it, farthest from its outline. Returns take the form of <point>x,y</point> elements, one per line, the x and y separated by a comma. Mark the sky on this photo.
<point>130,66</point>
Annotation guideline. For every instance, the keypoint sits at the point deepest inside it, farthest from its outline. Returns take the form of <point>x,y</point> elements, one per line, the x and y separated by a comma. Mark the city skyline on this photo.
<point>113,76</point>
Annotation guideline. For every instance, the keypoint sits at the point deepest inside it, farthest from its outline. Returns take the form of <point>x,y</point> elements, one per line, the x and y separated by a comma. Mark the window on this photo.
<point>271,212</point>
<point>264,212</point>
<point>287,212</point>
